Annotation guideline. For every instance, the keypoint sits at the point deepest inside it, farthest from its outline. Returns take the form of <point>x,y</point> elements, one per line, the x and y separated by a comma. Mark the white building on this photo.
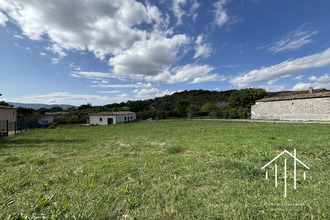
<point>108,118</point>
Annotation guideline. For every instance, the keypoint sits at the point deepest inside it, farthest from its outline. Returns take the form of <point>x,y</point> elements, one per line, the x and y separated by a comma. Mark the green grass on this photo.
<point>164,170</point>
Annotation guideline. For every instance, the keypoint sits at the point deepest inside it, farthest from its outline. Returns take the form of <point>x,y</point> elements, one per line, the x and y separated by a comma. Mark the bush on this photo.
<point>208,107</point>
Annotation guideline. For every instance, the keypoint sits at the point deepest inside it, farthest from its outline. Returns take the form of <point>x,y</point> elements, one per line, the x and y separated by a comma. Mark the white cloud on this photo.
<point>317,83</point>
<point>202,50</point>
<point>3,19</point>
<point>109,92</point>
<point>298,77</point>
<point>133,33</point>
<point>149,57</point>
<point>284,69</point>
<point>56,49</point>
<point>177,10</point>
<point>43,54</point>
<point>137,85</point>
<point>322,79</point>
<point>220,13</point>
<point>150,93</point>
<point>294,40</point>
<point>18,36</point>
<point>209,78</point>
<point>191,72</point>
<point>55,60</point>
<point>90,75</point>
<point>70,98</point>
<point>99,26</point>
<point>75,67</point>
<point>95,75</point>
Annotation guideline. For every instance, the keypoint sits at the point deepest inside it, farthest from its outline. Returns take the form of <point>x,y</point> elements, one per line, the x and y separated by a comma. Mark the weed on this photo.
<point>174,149</point>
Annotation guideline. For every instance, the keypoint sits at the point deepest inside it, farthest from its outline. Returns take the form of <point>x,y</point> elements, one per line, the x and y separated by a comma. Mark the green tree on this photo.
<point>3,103</point>
<point>245,98</point>
<point>182,106</point>
<point>208,107</point>
<point>192,110</point>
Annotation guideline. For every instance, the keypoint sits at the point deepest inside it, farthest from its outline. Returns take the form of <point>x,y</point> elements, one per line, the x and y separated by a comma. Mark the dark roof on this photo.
<point>112,113</point>
<point>317,93</point>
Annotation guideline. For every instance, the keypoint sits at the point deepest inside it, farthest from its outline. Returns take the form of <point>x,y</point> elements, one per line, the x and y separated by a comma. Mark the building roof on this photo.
<point>6,107</point>
<point>317,93</point>
<point>112,113</point>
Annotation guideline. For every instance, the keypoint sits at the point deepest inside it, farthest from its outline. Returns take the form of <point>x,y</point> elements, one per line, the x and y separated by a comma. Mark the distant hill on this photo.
<point>38,106</point>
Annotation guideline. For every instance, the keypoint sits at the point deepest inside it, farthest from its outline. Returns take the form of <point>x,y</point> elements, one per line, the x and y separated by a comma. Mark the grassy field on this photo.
<point>164,170</point>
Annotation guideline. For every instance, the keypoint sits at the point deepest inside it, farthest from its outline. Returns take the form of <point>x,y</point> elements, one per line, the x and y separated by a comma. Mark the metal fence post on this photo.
<point>7,127</point>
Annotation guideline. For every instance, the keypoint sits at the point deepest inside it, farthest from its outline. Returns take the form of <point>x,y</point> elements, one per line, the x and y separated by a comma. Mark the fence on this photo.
<point>7,128</point>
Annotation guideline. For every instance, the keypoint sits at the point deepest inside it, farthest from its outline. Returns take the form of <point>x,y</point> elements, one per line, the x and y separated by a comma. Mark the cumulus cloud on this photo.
<point>283,69</point>
<point>323,79</point>
<point>208,78</point>
<point>316,82</point>
<point>150,93</point>
<point>149,57</point>
<point>202,49</point>
<point>193,73</point>
<point>220,13</point>
<point>99,26</point>
<point>294,40</point>
<point>132,33</point>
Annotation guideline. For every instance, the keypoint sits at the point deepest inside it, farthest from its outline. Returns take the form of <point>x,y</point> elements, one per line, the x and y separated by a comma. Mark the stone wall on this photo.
<point>315,109</point>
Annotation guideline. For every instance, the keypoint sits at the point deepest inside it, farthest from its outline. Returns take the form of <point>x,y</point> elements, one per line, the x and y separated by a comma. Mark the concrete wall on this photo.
<point>7,114</point>
<point>315,109</point>
<point>103,119</point>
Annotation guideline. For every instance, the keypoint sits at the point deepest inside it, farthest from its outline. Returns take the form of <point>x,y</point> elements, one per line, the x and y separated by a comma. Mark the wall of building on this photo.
<point>9,114</point>
<point>101,120</point>
<point>125,118</point>
<point>117,119</point>
<point>315,109</point>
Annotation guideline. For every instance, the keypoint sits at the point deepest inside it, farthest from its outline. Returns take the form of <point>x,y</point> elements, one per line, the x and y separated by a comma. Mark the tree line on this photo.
<point>193,103</point>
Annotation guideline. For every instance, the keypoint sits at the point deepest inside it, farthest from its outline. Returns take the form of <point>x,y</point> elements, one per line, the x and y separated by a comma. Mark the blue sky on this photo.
<point>101,51</point>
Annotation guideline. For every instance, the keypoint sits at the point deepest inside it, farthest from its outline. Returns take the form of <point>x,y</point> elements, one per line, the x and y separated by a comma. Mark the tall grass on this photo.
<point>161,170</point>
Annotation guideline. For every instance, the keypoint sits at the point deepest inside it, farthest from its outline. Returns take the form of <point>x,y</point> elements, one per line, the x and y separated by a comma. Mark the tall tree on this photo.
<point>245,98</point>
<point>182,106</point>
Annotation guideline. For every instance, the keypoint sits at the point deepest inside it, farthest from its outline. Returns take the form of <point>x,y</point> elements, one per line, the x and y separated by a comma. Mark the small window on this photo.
<point>125,118</point>
<point>100,119</point>
<point>131,117</point>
